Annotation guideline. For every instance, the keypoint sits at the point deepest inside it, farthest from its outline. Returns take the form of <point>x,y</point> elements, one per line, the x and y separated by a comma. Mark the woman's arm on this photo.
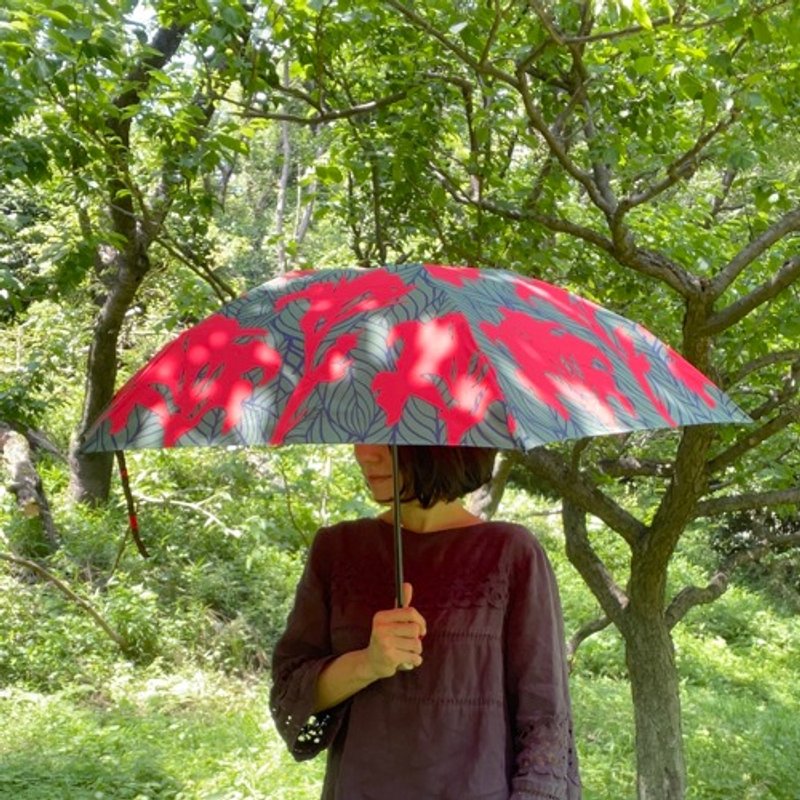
<point>395,643</point>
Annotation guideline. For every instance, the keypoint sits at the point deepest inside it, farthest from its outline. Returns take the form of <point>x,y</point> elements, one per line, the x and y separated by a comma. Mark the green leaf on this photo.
<point>234,143</point>
<point>56,16</point>
<point>91,81</point>
<point>761,30</point>
<point>710,100</point>
<point>641,15</point>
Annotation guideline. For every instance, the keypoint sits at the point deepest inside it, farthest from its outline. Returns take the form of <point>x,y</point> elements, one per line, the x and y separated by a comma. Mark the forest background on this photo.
<point>156,159</point>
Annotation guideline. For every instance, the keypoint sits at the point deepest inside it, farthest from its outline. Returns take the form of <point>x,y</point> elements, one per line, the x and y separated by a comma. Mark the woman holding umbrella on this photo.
<point>462,694</point>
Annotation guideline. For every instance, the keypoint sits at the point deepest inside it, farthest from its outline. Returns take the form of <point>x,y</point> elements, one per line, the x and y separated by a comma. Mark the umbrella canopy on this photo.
<point>410,354</point>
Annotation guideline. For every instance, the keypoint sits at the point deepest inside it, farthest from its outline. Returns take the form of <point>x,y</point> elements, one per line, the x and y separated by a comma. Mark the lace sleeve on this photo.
<point>300,655</point>
<point>545,764</point>
<point>545,761</point>
<point>291,703</point>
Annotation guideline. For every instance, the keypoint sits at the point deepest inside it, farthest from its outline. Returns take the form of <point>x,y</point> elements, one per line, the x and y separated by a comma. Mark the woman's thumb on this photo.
<point>408,591</point>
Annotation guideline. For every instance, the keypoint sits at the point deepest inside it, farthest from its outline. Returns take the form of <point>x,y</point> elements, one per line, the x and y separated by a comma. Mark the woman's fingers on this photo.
<point>396,641</point>
<point>401,616</point>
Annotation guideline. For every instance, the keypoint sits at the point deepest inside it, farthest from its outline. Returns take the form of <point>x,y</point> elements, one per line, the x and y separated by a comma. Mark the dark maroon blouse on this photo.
<point>486,716</point>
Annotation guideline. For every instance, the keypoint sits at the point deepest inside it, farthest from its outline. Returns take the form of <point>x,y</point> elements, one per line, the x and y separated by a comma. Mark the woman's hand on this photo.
<point>396,639</point>
<point>395,644</point>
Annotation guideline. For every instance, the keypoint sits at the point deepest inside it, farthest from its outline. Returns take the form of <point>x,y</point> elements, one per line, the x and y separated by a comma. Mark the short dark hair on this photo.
<point>430,473</point>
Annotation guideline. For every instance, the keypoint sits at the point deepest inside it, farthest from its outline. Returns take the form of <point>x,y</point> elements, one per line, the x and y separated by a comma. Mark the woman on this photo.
<point>462,695</point>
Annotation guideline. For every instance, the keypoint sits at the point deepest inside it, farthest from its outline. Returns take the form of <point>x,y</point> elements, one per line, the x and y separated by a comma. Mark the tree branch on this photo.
<point>196,507</point>
<point>776,400</point>
<point>683,167</point>
<point>463,55</point>
<point>728,177</point>
<point>583,633</point>
<point>746,501</point>
<point>729,316</point>
<point>221,288</point>
<point>753,438</point>
<point>582,555</point>
<point>788,223</point>
<point>64,589</point>
<point>551,467</point>
<point>632,467</point>
<point>692,596</point>
<point>556,224</point>
<point>757,364</point>
<point>547,22</point>
<point>662,22</point>
<point>328,116</point>
<point>556,147</point>
<point>651,263</point>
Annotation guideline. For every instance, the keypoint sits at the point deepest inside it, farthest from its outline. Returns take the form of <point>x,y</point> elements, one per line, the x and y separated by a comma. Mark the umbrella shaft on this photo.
<point>398,537</point>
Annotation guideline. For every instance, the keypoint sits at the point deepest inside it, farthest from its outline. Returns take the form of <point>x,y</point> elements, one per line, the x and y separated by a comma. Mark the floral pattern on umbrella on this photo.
<point>409,354</point>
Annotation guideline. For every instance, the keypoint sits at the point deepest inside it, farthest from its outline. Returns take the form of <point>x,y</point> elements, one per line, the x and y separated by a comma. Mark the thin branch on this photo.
<point>551,467</point>
<point>547,22</point>
<point>788,223</point>
<point>583,633</point>
<point>692,596</point>
<point>289,508</point>
<point>662,22</point>
<point>492,35</point>
<point>746,501</point>
<point>730,315</point>
<point>682,168</point>
<point>221,288</point>
<point>555,145</point>
<point>632,467</point>
<point>789,389</point>
<point>196,507</point>
<point>420,22</point>
<point>728,177</point>
<point>64,589</point>
<point>757,364</point>
<point>557,224</point>
<point>319,119</point>
<point>753,438</point>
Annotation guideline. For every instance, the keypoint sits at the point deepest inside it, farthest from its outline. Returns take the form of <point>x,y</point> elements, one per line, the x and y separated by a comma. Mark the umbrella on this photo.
<point>407,354</point>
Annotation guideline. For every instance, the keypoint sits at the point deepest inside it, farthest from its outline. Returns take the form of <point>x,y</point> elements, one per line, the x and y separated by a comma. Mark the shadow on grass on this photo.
<point>73,776</point>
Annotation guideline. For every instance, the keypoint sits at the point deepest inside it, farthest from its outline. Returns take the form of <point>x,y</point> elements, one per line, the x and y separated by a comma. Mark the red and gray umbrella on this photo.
<point>408,354</point>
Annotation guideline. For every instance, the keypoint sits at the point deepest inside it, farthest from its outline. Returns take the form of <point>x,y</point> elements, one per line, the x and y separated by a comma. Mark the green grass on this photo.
<point>78,724</point>
<point>198,735</point>
<point>147,736</point>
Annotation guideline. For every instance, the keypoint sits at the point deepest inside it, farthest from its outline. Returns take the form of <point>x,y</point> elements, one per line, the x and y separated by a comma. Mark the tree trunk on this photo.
<point>283,185</point>
<point>27,485</point>
<point>650,657</point>
<point>91,472</point>
<point>483,502</point>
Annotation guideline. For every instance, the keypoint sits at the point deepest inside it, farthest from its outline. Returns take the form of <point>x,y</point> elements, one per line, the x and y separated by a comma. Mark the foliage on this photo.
<point>640,151</point>
<point>226,550</point>
<point>179,728</point>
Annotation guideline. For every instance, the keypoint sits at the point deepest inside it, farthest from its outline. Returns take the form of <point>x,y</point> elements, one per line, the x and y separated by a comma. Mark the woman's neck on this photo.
<point>441,516</point>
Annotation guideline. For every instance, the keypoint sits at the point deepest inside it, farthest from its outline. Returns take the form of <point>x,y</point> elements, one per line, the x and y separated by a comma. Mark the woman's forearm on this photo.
<point>342,678</point>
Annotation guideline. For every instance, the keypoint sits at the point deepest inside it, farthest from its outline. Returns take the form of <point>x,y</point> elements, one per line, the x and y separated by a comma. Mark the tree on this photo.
<point>116,117</point>
<point>641,152</point>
